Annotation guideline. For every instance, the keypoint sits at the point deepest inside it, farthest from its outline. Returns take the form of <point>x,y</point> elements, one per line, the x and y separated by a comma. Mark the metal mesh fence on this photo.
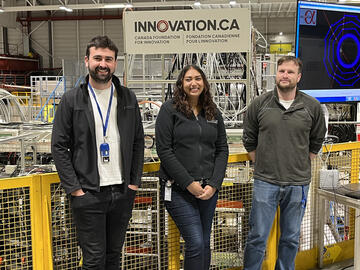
<point>15,229</point>
<point>339,219</point>
<point>230,224</point>
<point>65,249</point>
<point>152,240</point>
<point>307,238</point>
<point>143,239</point>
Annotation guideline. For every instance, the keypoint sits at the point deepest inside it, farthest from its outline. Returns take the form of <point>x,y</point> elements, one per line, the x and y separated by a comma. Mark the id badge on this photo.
<point>167,195</point>
<point>105,152</point>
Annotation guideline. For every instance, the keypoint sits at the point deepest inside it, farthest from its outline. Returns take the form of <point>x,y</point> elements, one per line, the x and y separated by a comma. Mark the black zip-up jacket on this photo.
<point>74,142</point>
<point>284,138</point>
<point>190,149</point>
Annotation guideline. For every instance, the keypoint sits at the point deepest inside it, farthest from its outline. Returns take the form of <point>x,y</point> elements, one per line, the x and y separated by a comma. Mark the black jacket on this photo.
<point>74,142</point>
<point>190,149</point>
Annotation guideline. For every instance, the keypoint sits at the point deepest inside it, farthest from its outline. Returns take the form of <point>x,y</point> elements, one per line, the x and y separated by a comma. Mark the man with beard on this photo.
<point>283,131</point>
<point>98,149</point>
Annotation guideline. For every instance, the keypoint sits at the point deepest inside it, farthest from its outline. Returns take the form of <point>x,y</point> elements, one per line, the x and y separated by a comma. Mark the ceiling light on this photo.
<point>1,10</point>
<point>232,3</point>
<point>65,8</point>
<point>281,33</point>
<point>114,6</point>
<point>197,4</point>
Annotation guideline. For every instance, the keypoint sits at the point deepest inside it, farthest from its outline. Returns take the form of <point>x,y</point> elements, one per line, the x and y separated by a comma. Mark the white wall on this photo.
<point>15,41</point>
<point>65,41</point>
<point>69,38</point>
<point>40,41</point>
<point>8,20</point>
<point>271,27</point>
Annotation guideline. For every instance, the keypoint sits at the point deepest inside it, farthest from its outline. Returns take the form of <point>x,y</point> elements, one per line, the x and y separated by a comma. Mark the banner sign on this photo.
<point>187,31</point>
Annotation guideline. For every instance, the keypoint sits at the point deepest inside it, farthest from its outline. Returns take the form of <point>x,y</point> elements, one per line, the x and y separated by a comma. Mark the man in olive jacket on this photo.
<point>283,131</point>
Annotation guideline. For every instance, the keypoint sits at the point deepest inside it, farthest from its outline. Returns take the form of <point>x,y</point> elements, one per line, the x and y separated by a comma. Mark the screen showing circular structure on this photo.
<point>328,43</point>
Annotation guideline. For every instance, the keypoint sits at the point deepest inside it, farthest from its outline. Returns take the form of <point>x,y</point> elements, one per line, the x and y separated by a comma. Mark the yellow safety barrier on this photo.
<point>344,157</point>
<point>24,95</point>
<point>20,233</point>
<point>36,230</point>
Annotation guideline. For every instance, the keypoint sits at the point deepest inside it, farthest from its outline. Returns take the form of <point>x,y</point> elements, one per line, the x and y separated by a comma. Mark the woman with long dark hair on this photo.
<point>191,144</point>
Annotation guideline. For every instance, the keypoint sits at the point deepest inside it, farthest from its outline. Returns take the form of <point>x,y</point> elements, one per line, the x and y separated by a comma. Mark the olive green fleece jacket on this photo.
<point>283,138</point>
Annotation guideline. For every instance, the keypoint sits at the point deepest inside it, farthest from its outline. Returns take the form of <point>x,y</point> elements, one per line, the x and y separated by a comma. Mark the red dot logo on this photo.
<point>162,26</point>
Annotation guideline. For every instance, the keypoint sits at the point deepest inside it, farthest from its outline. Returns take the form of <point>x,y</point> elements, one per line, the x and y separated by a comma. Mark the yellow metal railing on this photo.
<point>25,96</point>
<point>37,231</point>
<point>20,233</point>
<point>344,157</point>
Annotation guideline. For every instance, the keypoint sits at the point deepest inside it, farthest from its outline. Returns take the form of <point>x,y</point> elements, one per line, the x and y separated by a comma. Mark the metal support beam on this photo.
<point>50,37</point>
<point>5,40</point>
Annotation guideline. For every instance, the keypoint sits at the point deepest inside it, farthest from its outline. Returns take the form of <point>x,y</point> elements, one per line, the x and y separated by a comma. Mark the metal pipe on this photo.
<point>70,18</point>
<point>50,36</point>
<point>344,122</point>
<point>22,156</point>
<point>5,40</point>
<point>174,81</point>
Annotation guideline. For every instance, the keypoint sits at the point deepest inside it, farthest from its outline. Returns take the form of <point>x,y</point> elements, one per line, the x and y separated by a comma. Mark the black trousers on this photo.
<point>101,219</point>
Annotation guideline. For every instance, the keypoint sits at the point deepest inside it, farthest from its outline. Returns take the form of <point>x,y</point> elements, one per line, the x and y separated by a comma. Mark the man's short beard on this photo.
<point>94,75</point>
<point>285,89</point>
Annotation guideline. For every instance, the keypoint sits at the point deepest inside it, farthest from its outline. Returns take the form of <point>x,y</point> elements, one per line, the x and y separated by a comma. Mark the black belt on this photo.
<point>112,187</point>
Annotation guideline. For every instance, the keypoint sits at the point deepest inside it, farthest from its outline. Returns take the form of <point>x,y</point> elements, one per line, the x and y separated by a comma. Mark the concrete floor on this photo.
<point>345,265</point>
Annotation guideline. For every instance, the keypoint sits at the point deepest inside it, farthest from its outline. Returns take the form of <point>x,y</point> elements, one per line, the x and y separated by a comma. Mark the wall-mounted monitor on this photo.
<point>328,43</point>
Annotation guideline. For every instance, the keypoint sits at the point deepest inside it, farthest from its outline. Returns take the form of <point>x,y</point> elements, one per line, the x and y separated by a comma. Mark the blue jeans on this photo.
<point>266,198</point>
<point>193,217</point>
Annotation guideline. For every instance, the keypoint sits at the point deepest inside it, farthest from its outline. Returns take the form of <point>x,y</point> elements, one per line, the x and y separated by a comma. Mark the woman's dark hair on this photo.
<point>103,42</point>
<point>205,99</point>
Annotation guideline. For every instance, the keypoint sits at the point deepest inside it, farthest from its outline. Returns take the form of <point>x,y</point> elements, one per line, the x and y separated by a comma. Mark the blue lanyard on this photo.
<point>108,110</point>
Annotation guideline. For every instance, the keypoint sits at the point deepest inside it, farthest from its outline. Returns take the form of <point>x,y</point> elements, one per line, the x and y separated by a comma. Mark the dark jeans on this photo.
<point>101,219</point>
<point>193,217</point>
